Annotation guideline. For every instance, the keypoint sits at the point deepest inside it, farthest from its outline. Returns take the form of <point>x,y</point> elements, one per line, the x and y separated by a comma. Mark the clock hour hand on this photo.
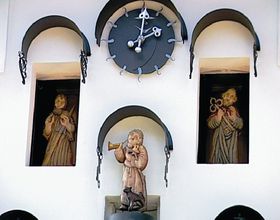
<point>155,32</point>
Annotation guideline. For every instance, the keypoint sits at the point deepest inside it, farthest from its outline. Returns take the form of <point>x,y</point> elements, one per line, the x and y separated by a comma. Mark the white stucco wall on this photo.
<point>196,191</point>
<point>4,8</point>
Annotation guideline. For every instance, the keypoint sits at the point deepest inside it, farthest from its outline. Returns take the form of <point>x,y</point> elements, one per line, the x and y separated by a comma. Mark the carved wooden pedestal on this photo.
<point>130,216</point>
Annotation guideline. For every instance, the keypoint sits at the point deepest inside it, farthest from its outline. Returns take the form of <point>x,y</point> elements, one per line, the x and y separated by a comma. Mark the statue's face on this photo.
<point>229,98</point>
<point>134,139</point>
<point>60,102</point>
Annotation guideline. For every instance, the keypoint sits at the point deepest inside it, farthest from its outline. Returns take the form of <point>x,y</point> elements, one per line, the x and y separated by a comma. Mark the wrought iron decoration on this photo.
<point>43,24</point>
<point>224,14</point>
<point>22,66</point>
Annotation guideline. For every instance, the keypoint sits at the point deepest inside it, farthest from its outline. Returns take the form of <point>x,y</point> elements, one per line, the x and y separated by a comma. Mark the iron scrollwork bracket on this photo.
<point>255,59</point>
<point>98,169</point>
<point>191,62</point>
<point>167,157</point>
<point>83,61</point>
<point>22,66</point>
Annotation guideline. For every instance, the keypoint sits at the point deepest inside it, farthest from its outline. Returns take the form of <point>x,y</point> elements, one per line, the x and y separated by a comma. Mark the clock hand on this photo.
<point>144,15</point>
<point>144,31</point>
<point>156,32</point>
<point>131,43</point>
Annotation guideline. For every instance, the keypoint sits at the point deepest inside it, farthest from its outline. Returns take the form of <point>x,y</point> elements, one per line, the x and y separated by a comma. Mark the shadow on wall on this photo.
<point>17,215</point>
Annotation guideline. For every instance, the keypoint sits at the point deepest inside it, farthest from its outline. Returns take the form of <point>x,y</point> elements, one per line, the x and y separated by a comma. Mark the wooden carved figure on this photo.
<point>226,123</point>
<point>60,132</point>
<point>134,157</point>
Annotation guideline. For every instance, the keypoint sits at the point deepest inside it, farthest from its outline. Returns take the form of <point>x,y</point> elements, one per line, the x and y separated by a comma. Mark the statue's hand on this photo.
<point>64,120</point>
<point>220,114</point>
<point>48,124</point>
<point>233,113</point>
<point>49,120</point>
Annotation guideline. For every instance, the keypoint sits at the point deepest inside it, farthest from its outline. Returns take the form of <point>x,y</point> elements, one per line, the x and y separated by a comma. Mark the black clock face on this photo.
<point>141,41</point>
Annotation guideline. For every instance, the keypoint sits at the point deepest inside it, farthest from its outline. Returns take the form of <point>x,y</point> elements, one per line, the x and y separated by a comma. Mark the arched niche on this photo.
<point>224,14</point>
<point>112,6</point>
<point>239,212</point>
<point>123,113</point>
<point>17,214</point>
<point>43,24</point>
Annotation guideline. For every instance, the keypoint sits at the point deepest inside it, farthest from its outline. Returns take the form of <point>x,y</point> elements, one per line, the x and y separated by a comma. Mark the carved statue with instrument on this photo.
<point>134,157</point>
<point>226,123</point>
<point>60,133</point>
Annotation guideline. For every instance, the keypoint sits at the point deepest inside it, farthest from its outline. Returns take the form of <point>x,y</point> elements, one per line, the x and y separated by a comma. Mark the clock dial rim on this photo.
<point>154,49</point>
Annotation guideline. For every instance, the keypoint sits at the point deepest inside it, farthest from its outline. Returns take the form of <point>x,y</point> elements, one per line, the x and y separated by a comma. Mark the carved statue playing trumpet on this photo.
<point>134,157</point>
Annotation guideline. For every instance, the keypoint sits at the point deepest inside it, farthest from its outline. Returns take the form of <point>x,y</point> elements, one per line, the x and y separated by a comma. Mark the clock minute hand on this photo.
<point>144,15</point>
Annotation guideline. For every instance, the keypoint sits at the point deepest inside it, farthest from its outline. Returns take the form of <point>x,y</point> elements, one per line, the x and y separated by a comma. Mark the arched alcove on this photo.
<point>218,15</point>
<point>239,212</point>
<point>17,215</point>
<point>46,23</point>
<point>126,112</point>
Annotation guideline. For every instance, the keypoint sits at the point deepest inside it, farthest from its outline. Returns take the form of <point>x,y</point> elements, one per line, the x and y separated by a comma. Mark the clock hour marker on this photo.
<point>123,69</point>
<point>159,11</point>
<point>108,41</point>
<point>171,23</point>
<point>157,69</point>
<point>169,57</point>
<point>112,24</point>
<point>125,12</point>
<point>111,57</point>
<point>139,69</point>
<point>171,40</point>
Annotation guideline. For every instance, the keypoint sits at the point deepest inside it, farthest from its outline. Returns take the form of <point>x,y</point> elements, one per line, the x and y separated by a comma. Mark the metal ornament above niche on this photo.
<point>126,112</point>
<point>224,14</point>
<point>239,212</point>
<point>17,214</point>
<point>43,24</point>
<point>142,40</point>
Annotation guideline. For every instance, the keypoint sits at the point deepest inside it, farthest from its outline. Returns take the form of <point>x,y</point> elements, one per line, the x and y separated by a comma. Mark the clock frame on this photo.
<point>156,41</point>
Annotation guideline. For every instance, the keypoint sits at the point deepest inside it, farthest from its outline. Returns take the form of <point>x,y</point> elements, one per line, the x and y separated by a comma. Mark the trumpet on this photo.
<point>112,146</point>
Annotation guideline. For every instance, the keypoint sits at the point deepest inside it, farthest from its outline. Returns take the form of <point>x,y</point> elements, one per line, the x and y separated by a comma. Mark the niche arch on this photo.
<point>43,24</point>
<point>239,212</point>
<point>17,214</point>
<point>224,14</point>
<point>126,112</point>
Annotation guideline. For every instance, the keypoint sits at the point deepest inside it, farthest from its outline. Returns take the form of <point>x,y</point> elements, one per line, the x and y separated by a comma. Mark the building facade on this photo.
<point>196,189</point>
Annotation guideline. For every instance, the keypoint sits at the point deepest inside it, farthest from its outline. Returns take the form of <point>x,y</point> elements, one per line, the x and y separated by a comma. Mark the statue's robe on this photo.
<point>224,143</point>
<point>59,151</point>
